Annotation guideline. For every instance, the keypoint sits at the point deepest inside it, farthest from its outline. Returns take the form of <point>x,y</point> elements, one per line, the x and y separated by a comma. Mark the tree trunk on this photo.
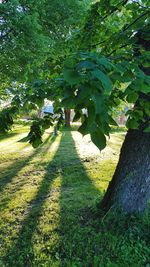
<point>130,186</point>
<point>129,189</point>
<point>67,117</point>
<point>55,130</point>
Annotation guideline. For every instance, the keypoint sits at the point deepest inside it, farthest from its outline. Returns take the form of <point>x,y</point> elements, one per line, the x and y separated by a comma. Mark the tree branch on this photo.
<point>123,3</point>
<point>141,5</point>
<point>138,18</point>
<point>122,46</point>
<point>141,16</point>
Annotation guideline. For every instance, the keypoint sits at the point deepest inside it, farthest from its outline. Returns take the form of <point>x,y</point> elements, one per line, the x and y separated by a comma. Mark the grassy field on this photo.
<point>48,205</point>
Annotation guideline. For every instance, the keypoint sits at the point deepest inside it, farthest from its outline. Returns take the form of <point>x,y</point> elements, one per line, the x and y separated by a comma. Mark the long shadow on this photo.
<point>12,191</point>
<point>8,135</point>
<point>66,163</point>
<point>13,169</point>
<point>11,134</point>
<point>78,200</point>
<point>21,253</point>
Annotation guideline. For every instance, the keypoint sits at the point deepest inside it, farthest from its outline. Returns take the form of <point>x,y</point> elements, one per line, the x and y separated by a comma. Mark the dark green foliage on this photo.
<point>37,129</point>
<point>109,67</point>
<point>98,138</point>
<point>39,126</point>
<point>35,134</point>
<point>98,85</point>
<point>7,118</point>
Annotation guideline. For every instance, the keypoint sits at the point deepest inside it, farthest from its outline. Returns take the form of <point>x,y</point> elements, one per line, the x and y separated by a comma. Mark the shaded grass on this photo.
<point>48,211</point>
<point>13,133</point>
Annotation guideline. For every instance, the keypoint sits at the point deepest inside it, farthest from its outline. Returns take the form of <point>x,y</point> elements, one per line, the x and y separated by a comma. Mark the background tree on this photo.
<point>34,41</point>
<point>34,36</point>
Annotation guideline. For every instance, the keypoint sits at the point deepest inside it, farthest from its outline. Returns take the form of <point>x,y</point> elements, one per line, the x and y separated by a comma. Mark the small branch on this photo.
<point>102,18</point>
<point>122,46</point>
<point>141,5</point>
<point>116,8</point>
<point>141,16</point>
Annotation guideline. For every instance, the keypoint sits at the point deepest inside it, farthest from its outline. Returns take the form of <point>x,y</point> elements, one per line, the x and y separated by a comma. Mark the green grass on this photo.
<point>48,205</point>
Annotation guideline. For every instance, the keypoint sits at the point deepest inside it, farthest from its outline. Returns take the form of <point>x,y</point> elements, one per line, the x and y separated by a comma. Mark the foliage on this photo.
<point>31,32</point>
<point>109,64</point>
<point>95,83</point>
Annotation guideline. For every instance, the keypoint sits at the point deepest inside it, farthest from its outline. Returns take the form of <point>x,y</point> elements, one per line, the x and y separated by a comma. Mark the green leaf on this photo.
<point>132,98</point>
<point>67,102</point>
<point>70,63</point>
<point>83,92</point>
<point>99,139</point>
<point>144,88</point>
<point>147,111</point>
<point>71,76</point>
<point>112,121</point>
<point>83,129</point>
<point>99,102</point>
<point>86,64</point>
<point>77,116</point>
<point>107,64</point>
<point>105,80</point>
<point>36,142</point>
<point>147,130</point>
<point>92,127</point>
<point>137,114</point>
<point>91,112</point>
<point>132,124</point>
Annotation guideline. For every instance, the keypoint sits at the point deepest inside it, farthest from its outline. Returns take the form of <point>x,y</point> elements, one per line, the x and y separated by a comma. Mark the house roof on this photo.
<point>48,109</point>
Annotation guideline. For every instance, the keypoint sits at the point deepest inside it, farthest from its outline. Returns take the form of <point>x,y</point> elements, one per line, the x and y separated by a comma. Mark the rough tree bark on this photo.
<point>67,117</point>
<point>130,185</point>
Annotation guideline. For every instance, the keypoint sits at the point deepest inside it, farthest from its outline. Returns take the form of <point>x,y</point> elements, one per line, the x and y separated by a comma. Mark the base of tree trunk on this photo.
<point>129,189</point>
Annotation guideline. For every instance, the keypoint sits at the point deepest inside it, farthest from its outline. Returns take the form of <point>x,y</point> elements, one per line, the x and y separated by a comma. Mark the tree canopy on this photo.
<point>93,63</point>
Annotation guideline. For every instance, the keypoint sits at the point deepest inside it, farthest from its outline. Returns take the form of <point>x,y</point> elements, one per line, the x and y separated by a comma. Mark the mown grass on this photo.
<point>48,205</point>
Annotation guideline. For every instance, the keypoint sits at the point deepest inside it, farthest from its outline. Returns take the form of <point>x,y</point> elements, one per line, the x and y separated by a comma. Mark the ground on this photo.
<point>48,205</point>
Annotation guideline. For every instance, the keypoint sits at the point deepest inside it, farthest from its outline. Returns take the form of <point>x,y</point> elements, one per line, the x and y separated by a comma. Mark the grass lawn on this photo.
<point>48,205</point>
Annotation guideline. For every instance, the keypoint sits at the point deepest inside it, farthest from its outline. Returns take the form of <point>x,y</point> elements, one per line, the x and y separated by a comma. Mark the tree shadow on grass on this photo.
<point>13,169</point>
<point>78,217</point>
<point>21,253</point>
<point>12,133</point>
<point>76,192</point>
<point>8,135</point>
